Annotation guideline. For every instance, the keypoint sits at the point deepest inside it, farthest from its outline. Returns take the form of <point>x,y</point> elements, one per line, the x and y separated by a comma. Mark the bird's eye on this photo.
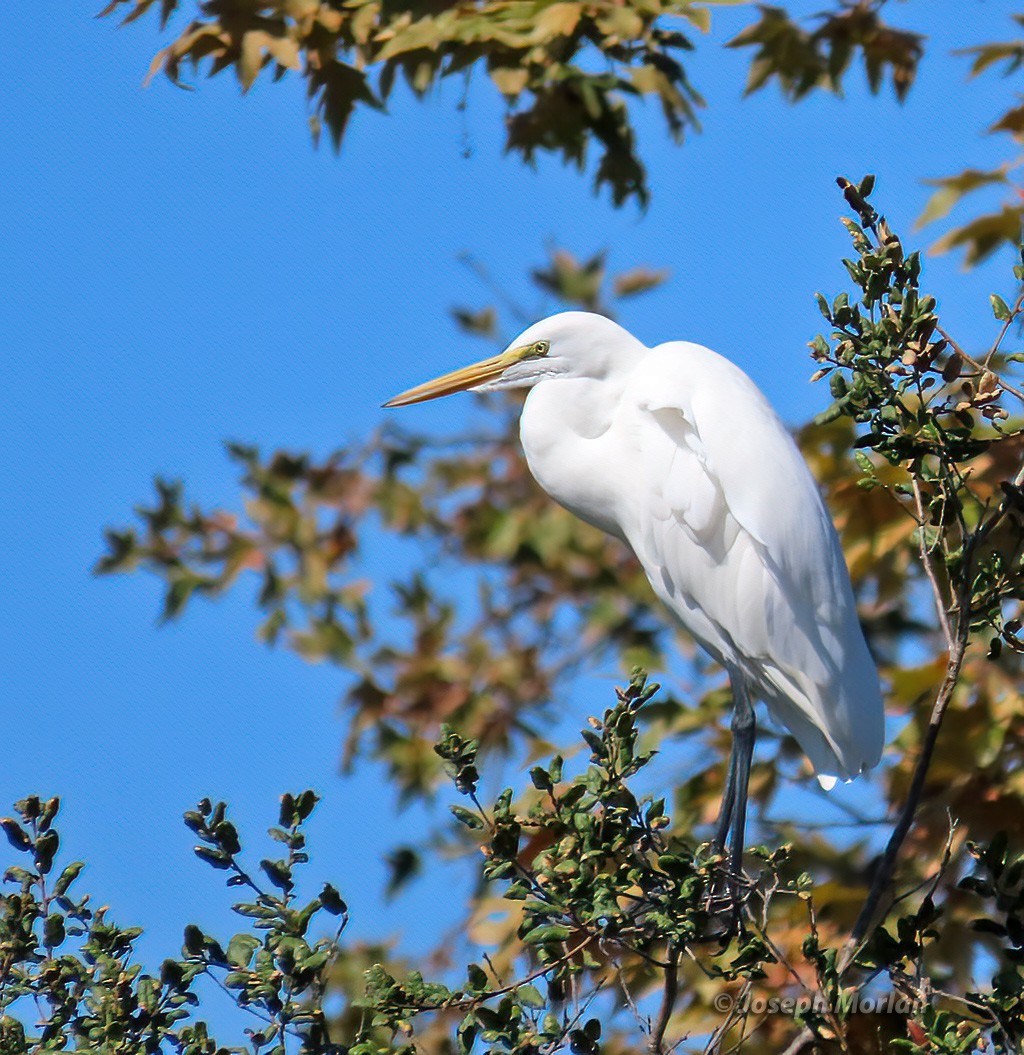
<point>540,348</point>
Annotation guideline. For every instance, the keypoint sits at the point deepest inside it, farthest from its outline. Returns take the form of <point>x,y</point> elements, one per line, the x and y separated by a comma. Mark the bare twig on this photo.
<point>714,1043</point>
<point>558,1042</point>
<point>515,309</point>
<point>1007,323</point>
<point>884,872</point>
<point>941,603</point>
<point>947,855</point>
<point>821,826</point>
<point>626,994</point>
<point>983,367</point>
<point>799,1042</point>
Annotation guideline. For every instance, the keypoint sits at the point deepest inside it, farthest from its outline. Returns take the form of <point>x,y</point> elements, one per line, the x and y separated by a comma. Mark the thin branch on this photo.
<point>799,1042</point>
<point>668,1002</point>
<point>885,870</point>
<point>479,269</point>
<point>947,855</point>
<point>714,1043</point>
<point>512,986</point>
<point>575,1020</point>
<point>884,873</point>
<point>626,994</point>
<point>1007,323</point>
<point>821,826</point>
<point>983,367</point>
<point>941,605</point>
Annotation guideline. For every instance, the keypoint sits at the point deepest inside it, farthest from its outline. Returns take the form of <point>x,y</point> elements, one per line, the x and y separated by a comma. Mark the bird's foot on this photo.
<point>726,900</point>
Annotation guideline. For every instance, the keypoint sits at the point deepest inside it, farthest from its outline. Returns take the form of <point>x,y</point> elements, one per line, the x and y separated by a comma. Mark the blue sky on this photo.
<point>182,267</point>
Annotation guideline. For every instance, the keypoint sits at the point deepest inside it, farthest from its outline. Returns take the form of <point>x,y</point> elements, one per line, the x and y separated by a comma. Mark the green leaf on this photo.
<point>477,978</point>
<point>278,873</point>
<point>212,857</point>
<point>467,817</point>
<point>241,948</point>
<point>332,901</point>
<point>194,940</point>
<point>53,930</point>
<point>67,877</point>
<point>405,864</point>
<point>16,835</point>
<point>529,996</point>
<point>540,778</point>
<point>305,804</point>
<point>999,307</point>
<point>546,933</point>
<point>46,848</point>
<point>482,323</point>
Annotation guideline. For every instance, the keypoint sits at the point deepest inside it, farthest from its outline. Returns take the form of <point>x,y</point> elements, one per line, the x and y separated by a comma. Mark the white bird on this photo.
<point>676,452</point>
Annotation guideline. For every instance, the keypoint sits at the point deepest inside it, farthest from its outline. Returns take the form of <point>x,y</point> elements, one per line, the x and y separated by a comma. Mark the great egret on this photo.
<point>676,452</point>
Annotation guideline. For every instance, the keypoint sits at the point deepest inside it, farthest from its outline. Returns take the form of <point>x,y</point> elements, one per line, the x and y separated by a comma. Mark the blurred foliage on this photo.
<point>506,595</point>
<point>803,59</point>
<point>570,72</point>
<point>550,592</point>
<point>981,236</point>
<point>539,54</point>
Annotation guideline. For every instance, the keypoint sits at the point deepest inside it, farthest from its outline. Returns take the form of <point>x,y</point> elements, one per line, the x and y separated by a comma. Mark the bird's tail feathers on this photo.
<point>839,747</point>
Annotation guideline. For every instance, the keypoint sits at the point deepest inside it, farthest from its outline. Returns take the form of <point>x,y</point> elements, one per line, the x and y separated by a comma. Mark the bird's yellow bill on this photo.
<point>458,380</point>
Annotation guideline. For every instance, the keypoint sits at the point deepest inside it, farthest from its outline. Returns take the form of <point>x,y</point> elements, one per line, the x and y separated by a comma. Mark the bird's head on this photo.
<point>570,344</point>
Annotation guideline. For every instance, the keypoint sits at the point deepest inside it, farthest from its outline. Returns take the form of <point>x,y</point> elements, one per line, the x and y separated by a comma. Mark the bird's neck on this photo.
<point>565,429</point>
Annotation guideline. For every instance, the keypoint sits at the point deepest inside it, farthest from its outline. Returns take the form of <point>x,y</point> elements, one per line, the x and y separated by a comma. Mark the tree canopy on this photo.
<point>571,73</point>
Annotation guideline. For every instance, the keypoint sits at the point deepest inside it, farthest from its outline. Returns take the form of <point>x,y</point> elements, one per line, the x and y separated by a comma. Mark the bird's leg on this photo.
<point>744,729</point>
<point>733,811</point>
<point>725,810</point>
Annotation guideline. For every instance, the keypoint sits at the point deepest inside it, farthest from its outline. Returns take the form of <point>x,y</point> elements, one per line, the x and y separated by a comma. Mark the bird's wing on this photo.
<point>736,540</point>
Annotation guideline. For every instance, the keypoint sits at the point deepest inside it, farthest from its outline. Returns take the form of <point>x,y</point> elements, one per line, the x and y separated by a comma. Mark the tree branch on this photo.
<point>668,1002</point>
<point>941,607</point>
<point>887,866</point>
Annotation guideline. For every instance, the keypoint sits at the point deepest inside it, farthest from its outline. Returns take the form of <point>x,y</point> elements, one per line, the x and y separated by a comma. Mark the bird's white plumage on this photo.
<point>676,451</point>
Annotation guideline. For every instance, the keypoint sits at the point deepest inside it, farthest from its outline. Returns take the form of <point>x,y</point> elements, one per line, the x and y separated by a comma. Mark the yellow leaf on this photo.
<point>953,188</point>
<point>330,19</point>
<point>301,8</point>
<point>983,236</point>
<point>510,80</point>
<point>639,280</point>
<point>701,16</point>
<point>155,66</point>
<point>558,20</point>
<point>250,59</point>
<point>622,23</point>
<point>285,52</point>
<point>419,36</point>
<point>364,21</point>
